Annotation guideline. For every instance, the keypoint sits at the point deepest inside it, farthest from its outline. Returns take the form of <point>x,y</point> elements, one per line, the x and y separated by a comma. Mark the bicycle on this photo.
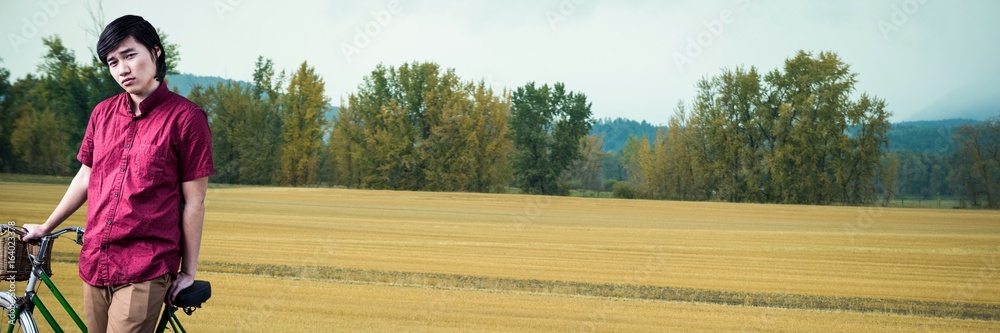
<point>20,309</point>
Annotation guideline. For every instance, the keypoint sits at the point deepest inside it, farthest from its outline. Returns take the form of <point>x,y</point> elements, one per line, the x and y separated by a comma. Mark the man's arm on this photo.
<point>193,217</point>
<point>75,196</point>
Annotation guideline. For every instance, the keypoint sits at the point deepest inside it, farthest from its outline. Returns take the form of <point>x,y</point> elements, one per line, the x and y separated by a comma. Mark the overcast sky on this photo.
<point>633,59</point>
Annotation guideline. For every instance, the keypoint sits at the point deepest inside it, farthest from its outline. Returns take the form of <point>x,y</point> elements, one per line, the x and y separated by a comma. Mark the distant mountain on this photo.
<point>617,131</point>
<point>926,136</point>
<point>185,82</point>
<point>932,136</point>
<point>977,100</point>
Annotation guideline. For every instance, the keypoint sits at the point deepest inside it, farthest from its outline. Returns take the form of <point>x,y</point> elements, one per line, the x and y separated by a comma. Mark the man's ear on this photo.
<point>158,52</point>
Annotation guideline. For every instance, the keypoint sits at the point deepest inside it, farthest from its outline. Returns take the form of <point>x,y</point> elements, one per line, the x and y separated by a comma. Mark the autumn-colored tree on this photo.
<point>681,171</point>
<point>487,143</point>
<point>303,108</point>
<point>827,147</point>
<point>587,169</point>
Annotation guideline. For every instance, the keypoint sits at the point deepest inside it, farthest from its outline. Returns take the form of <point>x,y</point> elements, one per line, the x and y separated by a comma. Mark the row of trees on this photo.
<point>417,127</point>
<point>793,135</point>
<point>789,136</point>
<point>43,115</point>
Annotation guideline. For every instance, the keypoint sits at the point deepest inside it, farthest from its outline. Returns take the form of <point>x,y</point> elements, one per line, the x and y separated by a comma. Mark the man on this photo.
<point>146,157</point>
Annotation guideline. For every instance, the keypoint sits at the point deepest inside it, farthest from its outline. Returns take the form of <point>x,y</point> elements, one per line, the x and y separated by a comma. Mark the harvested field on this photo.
<point>395,261</point>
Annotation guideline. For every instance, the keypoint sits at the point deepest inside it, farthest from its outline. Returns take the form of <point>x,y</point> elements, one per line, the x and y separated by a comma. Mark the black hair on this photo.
<point>136,27</point>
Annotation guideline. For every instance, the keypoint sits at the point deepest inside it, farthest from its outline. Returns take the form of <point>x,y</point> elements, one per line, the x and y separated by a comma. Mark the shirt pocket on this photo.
<point>151,162</point>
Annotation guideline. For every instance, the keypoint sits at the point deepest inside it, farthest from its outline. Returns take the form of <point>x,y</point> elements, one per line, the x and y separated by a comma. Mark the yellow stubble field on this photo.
<point>299,259</point>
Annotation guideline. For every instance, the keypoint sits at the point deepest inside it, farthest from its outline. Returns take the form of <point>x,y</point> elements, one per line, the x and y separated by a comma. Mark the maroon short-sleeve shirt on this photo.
<point>134,199</point>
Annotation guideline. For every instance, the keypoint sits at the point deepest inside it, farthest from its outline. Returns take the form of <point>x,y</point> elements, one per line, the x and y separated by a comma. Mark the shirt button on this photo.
<point>122,169</point>
<point>109,222</point>
<point>116,194</point>
<point>128,146</point>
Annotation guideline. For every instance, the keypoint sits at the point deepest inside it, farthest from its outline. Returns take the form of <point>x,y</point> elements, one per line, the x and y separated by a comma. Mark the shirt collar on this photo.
<point>155,98</point>
<point>151,102</point>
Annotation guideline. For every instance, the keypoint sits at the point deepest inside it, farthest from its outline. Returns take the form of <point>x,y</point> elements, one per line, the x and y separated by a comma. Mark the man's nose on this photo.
<point>123,69</point>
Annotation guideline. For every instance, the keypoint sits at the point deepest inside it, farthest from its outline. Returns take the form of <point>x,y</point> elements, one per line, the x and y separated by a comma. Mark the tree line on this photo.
<point>793,135</point>
<point>797,134</point>
<point>415,127</point>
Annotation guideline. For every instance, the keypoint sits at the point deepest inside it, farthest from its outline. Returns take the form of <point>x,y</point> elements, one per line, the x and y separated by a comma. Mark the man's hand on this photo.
<point>35,231</point>
<point>183,281</point>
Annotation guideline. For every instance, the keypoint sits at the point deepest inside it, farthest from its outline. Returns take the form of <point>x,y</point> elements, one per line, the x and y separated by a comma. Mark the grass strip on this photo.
<point>960,310</point>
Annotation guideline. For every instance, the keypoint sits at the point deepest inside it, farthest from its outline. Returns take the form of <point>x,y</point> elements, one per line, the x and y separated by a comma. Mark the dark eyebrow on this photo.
<point>127,50</point>
<point>122,52</point>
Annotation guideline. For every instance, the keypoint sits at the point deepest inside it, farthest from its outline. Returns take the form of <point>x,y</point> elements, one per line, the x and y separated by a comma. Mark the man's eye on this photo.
<point>130,56</point>
<point>112,64</point>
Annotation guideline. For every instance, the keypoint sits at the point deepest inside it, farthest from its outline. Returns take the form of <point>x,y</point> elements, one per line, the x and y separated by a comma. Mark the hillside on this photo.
<point>933,136</point>
<point>617,131</point>
<point>925,136</point>
<point>183,83</point>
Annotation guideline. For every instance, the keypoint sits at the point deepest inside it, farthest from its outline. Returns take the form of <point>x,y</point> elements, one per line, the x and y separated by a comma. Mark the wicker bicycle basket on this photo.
<point>16,265</point>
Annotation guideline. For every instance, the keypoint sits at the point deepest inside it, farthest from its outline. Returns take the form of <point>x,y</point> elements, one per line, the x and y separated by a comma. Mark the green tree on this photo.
<point>420,128</point>
<point>547,124</point>
<point>40,142</point>
<point>977,164</point>
<point>172,51</point>
<point>587,170</point>
<point>6,121</point>
<point>64,93</point>
<point>40,111</point>
<point>303,108</point>
<point>246,126</point>
<point>791,136</point>
<point>99,81</point>
<point>16,100</point>
<point>467,146</point>
<point>890,179</point>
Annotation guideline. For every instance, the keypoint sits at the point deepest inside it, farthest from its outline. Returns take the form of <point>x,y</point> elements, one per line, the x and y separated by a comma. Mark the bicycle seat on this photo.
<point>193,296</point>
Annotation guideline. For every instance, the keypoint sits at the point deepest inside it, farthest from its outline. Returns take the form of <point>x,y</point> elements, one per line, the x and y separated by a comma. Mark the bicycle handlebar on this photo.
<point>4,228</point>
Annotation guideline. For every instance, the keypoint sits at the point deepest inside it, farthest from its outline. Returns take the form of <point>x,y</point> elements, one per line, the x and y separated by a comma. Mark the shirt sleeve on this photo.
<point>86,153</point>
<point>196,147</point>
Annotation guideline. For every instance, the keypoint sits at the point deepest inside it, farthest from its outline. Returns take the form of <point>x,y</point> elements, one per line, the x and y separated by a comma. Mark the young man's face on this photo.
<point>134,67</point>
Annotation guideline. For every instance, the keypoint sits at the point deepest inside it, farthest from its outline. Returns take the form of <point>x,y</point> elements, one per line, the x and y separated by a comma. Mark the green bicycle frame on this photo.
<point>45,311</point>
<point>169,311</point>
<point>169,317</point>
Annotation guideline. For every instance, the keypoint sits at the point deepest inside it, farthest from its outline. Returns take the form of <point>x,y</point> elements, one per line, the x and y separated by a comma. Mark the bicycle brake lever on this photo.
<point>79,238</point>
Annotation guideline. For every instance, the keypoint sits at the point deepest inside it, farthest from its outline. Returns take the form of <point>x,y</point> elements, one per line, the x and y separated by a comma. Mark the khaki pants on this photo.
<point>131,307</point>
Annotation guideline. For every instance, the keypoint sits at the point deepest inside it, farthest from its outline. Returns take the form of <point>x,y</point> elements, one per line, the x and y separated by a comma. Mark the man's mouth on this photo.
<point>128,81</point>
